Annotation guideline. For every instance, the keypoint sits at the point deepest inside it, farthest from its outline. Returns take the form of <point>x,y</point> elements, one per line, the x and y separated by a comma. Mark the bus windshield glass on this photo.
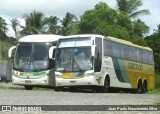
<point>74,59</point>
<point>32,56</point>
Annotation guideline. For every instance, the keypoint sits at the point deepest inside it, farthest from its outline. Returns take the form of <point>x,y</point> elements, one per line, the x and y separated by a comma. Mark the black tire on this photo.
<point>139,87</point>
<point>58,89</point>
<point>144,87</point>
<point>105,88</point>
<point>28,87</point>
<point>72,89</point>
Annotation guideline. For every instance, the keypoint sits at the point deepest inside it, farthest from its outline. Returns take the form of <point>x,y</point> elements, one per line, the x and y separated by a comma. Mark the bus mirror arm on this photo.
<point>51,52</point>
<point>10,51</point>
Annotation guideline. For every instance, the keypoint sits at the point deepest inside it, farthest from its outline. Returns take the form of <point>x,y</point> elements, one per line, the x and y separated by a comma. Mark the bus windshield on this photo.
<point>74,59</point>
<point>32,56</point>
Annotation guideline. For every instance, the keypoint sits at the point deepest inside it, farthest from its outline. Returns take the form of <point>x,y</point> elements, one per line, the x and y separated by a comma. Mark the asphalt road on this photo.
<point>20,96</point>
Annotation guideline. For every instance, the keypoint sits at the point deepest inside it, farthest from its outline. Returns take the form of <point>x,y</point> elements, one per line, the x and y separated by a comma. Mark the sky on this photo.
<point>17,8</point>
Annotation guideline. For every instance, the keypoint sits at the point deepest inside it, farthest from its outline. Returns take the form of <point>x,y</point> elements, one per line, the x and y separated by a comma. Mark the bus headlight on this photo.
<point>58,75</point>
<point>88,74</point>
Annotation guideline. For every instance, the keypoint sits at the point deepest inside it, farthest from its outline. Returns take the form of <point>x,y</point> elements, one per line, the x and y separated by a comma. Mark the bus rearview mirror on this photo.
<point>10,51</point>
<point>51,52</point>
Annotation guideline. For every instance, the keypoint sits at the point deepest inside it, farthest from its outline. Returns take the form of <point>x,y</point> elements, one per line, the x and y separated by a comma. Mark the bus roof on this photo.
<point>126,43</point>
<point>109,38</point>
<point>40,38</point>
<point>83,35</point>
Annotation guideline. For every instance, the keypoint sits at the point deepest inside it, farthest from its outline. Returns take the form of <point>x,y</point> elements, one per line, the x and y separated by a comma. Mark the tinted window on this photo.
<point>145,56</point>
<point>98,55</point>
<point>116,50</point>
<point>124,52</point>
<point>150,58</point>
<point>132,53</point>
<point>107,48</point>
<point>139,55</point>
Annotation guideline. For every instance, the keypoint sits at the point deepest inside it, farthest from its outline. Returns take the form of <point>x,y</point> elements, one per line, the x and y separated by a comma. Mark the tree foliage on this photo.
<point>68,24</point>
<point>51,25</point>
<point>15,24</point>
<point>108,22</point>
<point>3,28</point>
<point>130,8</point>
<point>34,23</point>
<point>153,41</point>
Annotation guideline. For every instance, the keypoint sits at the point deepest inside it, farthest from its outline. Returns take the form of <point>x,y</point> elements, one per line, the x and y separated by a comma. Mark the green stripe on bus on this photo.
<point>32,73</point>
<point>117,70</point>
<point>120,70</point>
<point>123,70</point>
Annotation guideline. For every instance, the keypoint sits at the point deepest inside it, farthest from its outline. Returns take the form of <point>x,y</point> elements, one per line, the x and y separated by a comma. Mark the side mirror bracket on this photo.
<point>93,50</point>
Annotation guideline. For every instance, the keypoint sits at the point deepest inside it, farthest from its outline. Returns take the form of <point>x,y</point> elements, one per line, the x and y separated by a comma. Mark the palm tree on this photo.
<point>52,24</point>
<point>34,23</point>
<point>130,8</point>
<point>3,28</point>
<point>15,24</point>
<point>3,25</point>
<point>68,23</point>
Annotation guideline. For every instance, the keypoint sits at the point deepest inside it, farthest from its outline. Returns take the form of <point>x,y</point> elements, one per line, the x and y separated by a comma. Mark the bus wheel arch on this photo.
<point>105,87</point>
<point>139,87</point>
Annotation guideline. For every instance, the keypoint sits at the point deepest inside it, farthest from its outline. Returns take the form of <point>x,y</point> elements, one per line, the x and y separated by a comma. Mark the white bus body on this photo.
<point>85,60</point>
<point>31,63</point>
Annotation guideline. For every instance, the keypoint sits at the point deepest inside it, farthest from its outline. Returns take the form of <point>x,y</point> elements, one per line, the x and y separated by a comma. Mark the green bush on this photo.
<point>5,45</point>
<point>157,80</point>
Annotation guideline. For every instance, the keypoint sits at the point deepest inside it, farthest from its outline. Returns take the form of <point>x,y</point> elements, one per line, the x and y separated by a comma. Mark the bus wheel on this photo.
<point>139,87</point>
<point>105,88</point>
<point>72,89</point>
<point>144,88</point>
<point>28,87</point>
<point>58,89</point>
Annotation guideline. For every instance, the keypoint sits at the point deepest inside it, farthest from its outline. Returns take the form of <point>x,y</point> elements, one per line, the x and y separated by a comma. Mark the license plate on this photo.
<point>28,81</point>
<point>72,81</point>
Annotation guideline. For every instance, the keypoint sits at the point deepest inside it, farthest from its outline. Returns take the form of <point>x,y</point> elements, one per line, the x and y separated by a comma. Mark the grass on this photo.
<point>157,85</point>
<point>155,91</point>
<point>157,80</point>
<point>22,88</point>
<point>157,103</point>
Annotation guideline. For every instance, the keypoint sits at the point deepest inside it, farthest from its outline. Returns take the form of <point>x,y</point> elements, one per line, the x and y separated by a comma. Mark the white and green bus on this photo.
<point>31,63</point>
<point>103,63</point>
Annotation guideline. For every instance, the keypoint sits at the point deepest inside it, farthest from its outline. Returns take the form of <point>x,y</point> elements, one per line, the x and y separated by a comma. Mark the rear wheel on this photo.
<point>139,87</point>
<point>144,87</point>
<point>28,87</point>
<point>105,88</point>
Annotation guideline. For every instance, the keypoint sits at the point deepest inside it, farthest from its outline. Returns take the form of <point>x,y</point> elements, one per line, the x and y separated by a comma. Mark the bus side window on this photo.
<point>145,57</point>
<point>124,52</point>
<point>150,58</point>
<point>132,53</point>
<point>116,50</point>
<point>98,55</point>
<point>107,48</point>
<point>139,55</point>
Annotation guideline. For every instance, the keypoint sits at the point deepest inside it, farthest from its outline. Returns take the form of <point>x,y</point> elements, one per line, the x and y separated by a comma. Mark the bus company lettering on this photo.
<point>135,66</point>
